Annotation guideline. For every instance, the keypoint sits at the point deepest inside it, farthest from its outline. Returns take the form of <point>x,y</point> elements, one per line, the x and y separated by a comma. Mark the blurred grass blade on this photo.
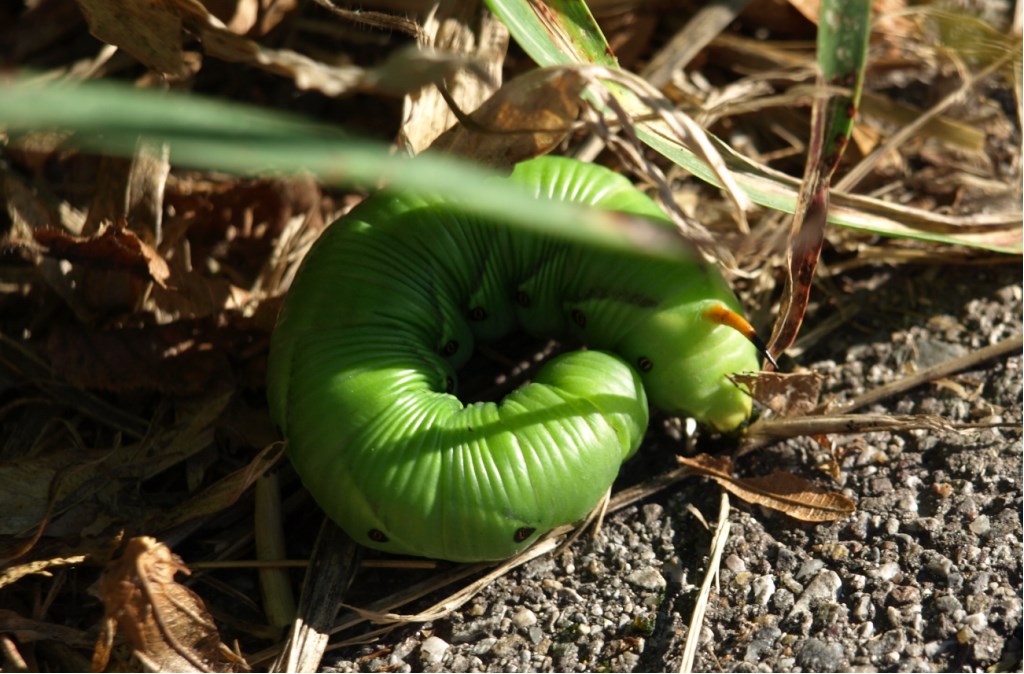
<point>537,28</point>
<point>203,133</point>
<point>555,32</point>
<point>843,28</point>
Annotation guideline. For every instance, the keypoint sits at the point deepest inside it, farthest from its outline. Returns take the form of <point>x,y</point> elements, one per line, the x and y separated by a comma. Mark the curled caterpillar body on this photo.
<point>387,307</point>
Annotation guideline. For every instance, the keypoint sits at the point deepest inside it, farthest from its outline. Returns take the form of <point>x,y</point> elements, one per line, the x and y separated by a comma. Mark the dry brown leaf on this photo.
<point>74,491</point>
<point>221,494</point>
<point>131,191</point>
<point>152,32</point>
<point>783,393</point>
<point>113,248</point>
<point>166,623</point>
<point>525,118</point>
<point>149,31</point>
<point>462,28</point>
<point>780,491</point>
<point>405,70</point>
<point>252,17</point>
<point>35,488</point>
<point>806,239</point>
<point>307,73</point>
<point>110,272</point>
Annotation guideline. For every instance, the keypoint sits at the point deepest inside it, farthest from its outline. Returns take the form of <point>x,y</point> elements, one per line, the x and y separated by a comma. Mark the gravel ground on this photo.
<point>925,576</point>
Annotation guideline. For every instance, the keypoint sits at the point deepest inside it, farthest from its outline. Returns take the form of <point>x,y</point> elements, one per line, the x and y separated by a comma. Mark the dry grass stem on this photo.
<point>710,575</point>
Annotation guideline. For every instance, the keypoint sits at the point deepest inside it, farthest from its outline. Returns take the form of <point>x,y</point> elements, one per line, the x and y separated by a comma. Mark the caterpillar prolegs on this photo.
<point>387,306</point>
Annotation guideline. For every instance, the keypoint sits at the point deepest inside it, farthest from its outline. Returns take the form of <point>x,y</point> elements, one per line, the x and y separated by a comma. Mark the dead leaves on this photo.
<point>114,248</point>
<point>784,393</point>
<point>166,623</point>
<point>525,118</point>
<point>153,33</point>
<point>464,28</point>
<point>181,358</point>
<point>73,491</point>
<point>140,28</point>
<point>92,498</point>
<point>780,491</point>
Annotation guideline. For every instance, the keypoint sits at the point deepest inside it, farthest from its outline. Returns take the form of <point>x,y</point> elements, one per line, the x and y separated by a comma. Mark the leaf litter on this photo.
<point>162,305</point>
<point>166,623</point>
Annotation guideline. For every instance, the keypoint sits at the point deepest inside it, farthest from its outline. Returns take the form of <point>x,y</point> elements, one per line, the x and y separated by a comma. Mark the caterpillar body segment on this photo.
<point>387,307</point>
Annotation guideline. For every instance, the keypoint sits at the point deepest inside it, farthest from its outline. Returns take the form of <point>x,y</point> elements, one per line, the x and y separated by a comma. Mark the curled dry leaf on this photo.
<point>149,31</point>
<point>780,491</point>
<point>527,117</point>
<point>219,495</point>
<point>132,191</point>
<point>115,248</point>
<point>785,394</point>
<point>152,33</point>
<point>463,28</point>
<point>166,623</point>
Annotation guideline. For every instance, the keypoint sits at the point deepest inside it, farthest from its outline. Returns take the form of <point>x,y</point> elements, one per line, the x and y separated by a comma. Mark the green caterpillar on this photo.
<point>386,308</point>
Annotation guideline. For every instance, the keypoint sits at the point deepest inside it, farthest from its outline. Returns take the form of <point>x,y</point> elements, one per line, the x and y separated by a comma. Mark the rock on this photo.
<point>432,650</point>
<point>980,525</point>
<point>524,618</point>
<point>762,588</point>
<point>815,655</point>
<point>647,578</point>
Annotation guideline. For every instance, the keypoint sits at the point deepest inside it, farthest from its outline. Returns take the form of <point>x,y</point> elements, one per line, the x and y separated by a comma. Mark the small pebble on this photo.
<point>432,650</point>
<point>815,655</point>
<point>863,609</point>
<point>762,589</point>
<point>647,578</point>
<point>809,568</point>
<point>734,564</point>
<point>906,594</point>
<point>887,571</point>
<point>524,617</point>
<point>981,525</point>
<point>976,621</point>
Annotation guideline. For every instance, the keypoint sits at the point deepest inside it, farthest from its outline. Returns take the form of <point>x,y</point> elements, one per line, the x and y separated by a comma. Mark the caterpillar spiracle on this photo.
<point>386,308</point>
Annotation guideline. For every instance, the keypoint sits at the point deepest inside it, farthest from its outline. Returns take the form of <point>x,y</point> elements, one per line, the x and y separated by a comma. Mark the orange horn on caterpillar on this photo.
<point>723,315</point>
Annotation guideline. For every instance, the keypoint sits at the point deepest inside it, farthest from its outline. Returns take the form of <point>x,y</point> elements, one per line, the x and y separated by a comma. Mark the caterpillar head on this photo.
<point>686,354</point>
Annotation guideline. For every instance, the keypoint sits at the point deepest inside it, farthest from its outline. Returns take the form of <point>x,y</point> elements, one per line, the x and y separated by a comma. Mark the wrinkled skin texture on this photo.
<point>387,307</point>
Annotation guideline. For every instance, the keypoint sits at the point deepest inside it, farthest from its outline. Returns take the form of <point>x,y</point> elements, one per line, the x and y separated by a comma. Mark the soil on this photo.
<point>925,576</point>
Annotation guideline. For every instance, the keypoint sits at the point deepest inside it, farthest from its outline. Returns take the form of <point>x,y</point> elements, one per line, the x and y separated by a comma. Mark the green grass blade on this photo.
<point>203,133</point>
<point>538,34</point>
<point>555,32</point>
